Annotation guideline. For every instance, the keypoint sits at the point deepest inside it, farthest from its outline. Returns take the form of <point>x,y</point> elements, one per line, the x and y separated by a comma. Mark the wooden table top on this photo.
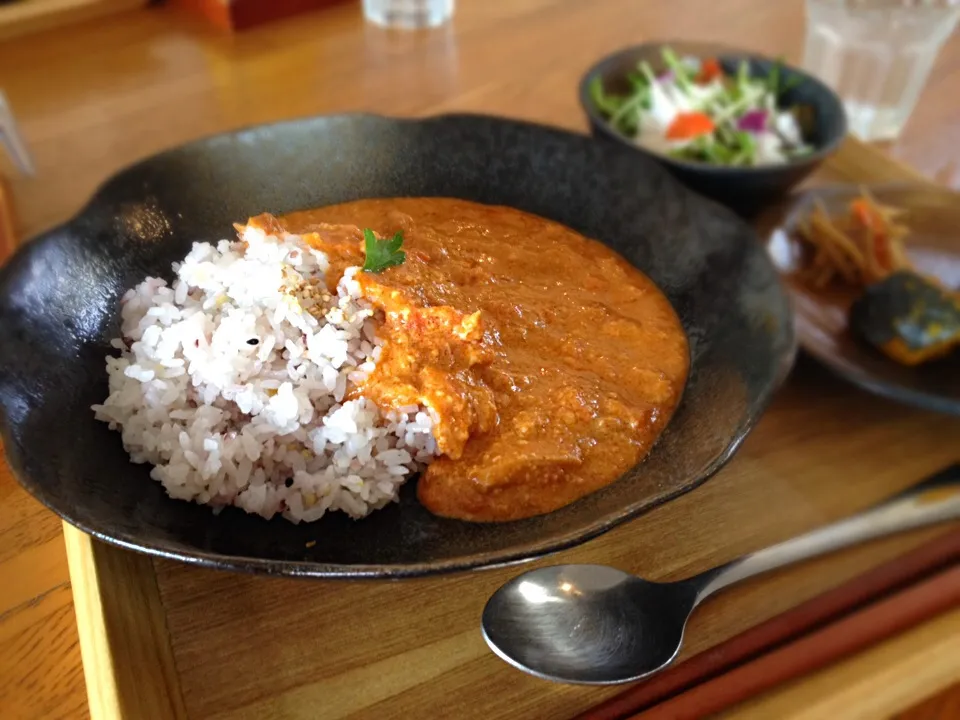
<point>94,97</point>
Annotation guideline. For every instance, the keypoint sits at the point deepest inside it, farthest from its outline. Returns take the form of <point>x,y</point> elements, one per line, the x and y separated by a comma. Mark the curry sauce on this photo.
<point>550,364</point>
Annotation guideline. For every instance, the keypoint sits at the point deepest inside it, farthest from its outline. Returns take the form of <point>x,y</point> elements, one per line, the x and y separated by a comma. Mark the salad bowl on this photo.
<point>751,97</point>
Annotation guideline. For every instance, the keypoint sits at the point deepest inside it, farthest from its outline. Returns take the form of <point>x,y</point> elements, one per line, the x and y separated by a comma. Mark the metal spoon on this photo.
<point>596,625</point>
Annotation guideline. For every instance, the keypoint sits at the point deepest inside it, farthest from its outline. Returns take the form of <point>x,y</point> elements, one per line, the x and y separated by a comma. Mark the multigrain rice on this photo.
<point>233,382</point>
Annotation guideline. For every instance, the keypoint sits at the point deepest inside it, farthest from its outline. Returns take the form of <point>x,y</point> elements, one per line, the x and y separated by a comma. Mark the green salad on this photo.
<point>696,111</point>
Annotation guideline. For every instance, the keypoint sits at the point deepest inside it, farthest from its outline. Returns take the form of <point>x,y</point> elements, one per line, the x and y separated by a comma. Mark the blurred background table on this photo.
<point>95,96</point>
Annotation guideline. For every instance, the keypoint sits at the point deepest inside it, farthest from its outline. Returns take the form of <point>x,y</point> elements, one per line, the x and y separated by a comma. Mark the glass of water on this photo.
<point>877,55</point>
<point>408,14</point>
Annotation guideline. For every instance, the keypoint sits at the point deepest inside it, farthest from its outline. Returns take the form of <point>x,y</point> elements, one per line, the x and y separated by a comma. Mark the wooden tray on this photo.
<point>166,640</point>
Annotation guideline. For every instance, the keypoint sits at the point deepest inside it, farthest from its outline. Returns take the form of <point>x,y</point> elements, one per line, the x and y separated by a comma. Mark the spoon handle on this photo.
<point>935,500</point>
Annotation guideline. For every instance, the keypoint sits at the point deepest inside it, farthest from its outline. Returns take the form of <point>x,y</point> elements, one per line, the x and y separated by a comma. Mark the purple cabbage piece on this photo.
<point>665,76</point>
<point>754,121</point>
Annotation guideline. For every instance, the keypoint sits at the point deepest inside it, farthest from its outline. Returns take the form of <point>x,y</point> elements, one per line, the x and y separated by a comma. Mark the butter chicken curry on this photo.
<point>551,365</point>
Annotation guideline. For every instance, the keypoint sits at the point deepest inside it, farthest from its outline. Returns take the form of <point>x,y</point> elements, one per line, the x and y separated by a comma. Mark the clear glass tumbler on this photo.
<point>408,14</point>
<point>877,55</point>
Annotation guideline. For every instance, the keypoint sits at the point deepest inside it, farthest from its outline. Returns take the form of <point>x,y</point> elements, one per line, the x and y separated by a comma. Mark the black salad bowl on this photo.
<point>745,189</point>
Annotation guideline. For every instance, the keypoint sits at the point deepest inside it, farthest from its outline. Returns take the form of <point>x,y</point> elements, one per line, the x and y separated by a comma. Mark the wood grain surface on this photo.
<point>945,706</point>
<point>94,97</point>
<point>797,666</point>
<point>887,679</point>
<point>423,648</point>
<point>26,17</point>
<point>123,636</point>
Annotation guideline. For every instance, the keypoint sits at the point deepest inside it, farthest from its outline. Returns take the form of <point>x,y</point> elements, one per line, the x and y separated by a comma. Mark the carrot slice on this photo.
<point>869,215</point>
<point>881,250</point>
<point>709,70</point>
<point>863,212</point>
<point>689,125</point>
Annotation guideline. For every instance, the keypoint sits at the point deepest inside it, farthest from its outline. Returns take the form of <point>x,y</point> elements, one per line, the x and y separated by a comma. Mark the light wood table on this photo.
<point>94,97</point>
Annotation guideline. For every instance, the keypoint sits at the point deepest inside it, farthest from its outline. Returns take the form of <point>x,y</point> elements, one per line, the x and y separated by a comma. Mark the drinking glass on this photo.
<point>408,14</point>
<point>877,55</point>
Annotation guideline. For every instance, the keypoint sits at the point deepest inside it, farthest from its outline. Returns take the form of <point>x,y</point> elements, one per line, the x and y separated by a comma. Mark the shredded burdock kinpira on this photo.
<point>860,247</point>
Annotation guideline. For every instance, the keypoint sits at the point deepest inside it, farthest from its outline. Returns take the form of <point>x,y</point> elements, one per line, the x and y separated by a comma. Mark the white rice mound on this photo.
<point>231,383</point>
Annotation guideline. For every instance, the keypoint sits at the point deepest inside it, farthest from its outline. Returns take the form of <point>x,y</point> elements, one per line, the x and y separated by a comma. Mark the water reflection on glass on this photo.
<point>409,14</point>
<point>877,55</point>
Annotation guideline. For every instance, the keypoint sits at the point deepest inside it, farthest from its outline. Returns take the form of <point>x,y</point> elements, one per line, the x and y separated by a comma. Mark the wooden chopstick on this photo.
<point>884,581</point>
<point>878,621</point>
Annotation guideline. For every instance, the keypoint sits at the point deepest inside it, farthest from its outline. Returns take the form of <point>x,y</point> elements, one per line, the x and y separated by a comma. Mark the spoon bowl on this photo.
<point>587,624</point>
<point>596,625</point>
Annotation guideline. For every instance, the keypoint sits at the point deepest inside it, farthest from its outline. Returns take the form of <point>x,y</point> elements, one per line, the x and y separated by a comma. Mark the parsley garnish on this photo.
<point>382,254</point>
<point>779,83</point>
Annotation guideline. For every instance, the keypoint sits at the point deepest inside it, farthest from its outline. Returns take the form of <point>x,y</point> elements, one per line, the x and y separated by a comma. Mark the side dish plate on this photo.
<point>822,316</point>
<point>59,308</point>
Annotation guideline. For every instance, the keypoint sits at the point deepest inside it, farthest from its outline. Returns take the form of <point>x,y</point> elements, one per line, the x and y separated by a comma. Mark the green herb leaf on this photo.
<point>719,153</point>
<point>739,87</point>
<point>773,80</point>
<point>683,75</point>
<point>647,72</point>
<point>746,141</point>
<point>779,82</point>
<point>746,149</point>
<point>606,104</point>
<point>382,254</point>
<point>627,117</point>
<point>637,81</point>
<point>791,82</point>
<point>725,133</point>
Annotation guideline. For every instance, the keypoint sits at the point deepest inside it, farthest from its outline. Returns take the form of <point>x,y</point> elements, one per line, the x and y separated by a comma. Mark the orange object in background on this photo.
<point>709,70</point>
<point>235,15</point>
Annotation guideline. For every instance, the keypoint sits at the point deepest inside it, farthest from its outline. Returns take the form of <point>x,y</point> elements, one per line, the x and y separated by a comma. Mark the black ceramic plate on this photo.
<point>58,310</point>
